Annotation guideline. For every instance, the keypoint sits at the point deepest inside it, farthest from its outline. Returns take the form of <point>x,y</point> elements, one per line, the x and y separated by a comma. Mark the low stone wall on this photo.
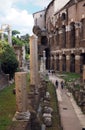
<point>4,81</point>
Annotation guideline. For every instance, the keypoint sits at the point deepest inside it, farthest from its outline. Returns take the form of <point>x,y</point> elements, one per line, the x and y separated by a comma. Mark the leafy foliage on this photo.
<point>17,41</point>
<point>9,63</point>
<point>14,32</point>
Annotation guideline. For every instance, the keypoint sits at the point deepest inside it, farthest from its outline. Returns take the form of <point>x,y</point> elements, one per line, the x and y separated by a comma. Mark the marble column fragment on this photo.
<point>21,96</point>
<point>33,61</point>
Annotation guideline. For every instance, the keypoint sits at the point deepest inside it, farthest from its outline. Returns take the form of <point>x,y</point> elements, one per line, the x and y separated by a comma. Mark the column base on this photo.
<point>21,116</point>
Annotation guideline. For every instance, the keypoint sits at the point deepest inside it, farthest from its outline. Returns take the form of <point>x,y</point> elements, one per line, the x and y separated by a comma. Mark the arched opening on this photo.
<point>63,62</point>
<point>43,40</point>
<point>72,63</point>
<point>82,61</point>
<point>72,35</point>
<point>63,36</point>
<point>47,50</point>
<point>63,17</point>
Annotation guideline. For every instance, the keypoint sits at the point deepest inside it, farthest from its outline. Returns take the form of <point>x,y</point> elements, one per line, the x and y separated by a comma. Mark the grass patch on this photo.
<point>71,76</point>
<point>7,107</point>
<point>54,104</point>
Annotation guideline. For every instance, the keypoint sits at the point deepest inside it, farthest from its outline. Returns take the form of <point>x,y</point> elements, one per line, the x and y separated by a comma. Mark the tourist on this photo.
<point>62,84</point>
<point>56,84</point>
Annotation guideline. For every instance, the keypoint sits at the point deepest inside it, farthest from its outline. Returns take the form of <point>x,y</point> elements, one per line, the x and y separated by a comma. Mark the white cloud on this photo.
<point>16,18</point>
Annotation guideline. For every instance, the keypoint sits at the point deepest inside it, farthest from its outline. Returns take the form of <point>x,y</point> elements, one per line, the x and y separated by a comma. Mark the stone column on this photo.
<point>60,38</point>
<point>60,59</point>
<point>68,31</point>
<point>44,61</point>
<point>21,96</point>
<point>67,63</point>
<point>77,63</point>
<point>33,61</point>
<point>55,62</point>
<point>77,34</point>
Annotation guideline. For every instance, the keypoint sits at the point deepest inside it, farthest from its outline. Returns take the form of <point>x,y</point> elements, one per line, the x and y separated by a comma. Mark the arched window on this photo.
<point>63,17</point>
<point>43,40</point>
<point>72,35</point>
<point>63,36</point>
<point>64,62</point>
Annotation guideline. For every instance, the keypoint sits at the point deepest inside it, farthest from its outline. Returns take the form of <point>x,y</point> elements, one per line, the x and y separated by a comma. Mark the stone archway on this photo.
<point>47,50</point>
<point>63,62</point>
<point>72,63</point>
<point>82,61</point>
<point>72,35</point>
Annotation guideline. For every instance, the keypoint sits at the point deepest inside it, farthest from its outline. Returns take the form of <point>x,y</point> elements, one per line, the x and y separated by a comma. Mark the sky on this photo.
<point>19,13</point>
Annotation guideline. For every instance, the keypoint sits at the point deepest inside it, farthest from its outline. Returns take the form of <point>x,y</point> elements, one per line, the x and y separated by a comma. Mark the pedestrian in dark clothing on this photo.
<point>56,83</point>
<point>62,84</point>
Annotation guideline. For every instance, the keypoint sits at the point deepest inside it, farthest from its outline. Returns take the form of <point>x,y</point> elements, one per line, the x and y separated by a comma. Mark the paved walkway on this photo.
<point>71,116</point>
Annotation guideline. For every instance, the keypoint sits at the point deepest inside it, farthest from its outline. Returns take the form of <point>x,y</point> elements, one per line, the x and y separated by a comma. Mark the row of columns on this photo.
<point>68,36</point>
<point>58,60</point>
<point>22,112</point>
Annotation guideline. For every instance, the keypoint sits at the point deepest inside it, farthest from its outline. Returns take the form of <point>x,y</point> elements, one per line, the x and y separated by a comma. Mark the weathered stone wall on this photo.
<point>66,35</point>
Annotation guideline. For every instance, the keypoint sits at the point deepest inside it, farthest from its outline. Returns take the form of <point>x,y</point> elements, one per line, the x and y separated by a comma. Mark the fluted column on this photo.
<point>33,61</point>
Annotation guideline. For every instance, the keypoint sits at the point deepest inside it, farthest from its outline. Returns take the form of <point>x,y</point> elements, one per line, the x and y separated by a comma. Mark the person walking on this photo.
<point>62,84</point>
<point>56,84</point>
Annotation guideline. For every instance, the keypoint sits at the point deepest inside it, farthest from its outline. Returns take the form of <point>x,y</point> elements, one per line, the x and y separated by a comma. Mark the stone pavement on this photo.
<point>71,116</point>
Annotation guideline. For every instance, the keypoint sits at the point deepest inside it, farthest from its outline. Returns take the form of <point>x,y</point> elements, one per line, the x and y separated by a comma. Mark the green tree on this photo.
<point>9,63</point>
<point>17,41</point>
<point>15,32</point>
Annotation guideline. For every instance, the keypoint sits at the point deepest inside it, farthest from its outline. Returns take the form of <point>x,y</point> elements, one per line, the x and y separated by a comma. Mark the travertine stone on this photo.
<point>21,97</point>
<point>33,61</point>
<point>21,93</point>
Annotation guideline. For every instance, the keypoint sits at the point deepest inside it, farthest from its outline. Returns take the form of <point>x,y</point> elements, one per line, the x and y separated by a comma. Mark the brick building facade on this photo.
<point>62,36</point>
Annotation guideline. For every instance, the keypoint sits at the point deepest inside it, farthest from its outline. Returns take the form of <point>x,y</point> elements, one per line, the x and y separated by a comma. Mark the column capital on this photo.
<point>77,57</point>
<point>68,57</point>
<point>60,57</point>
<point>51,57</point>
<point>55,57</point>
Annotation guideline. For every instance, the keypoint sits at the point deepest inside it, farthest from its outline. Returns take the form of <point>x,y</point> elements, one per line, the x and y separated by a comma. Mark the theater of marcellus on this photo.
<point>61,34</point>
